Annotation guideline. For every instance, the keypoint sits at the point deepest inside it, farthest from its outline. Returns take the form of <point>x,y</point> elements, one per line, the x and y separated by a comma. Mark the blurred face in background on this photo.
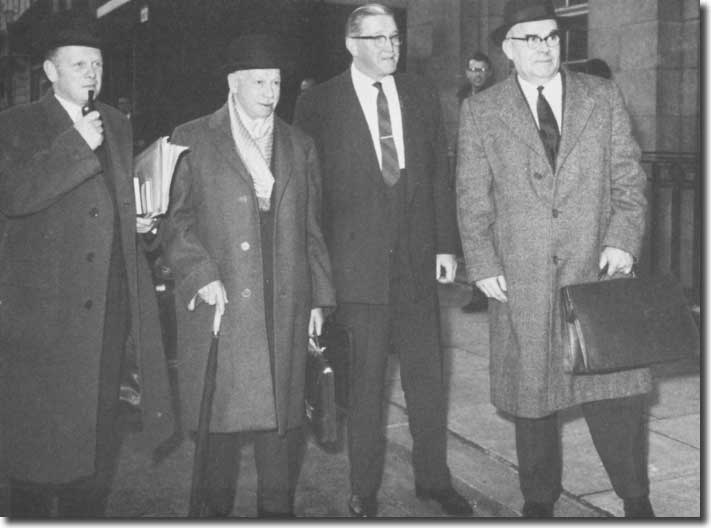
<point>257,91</point>
<point>73,71</point>
<point>478,72</point>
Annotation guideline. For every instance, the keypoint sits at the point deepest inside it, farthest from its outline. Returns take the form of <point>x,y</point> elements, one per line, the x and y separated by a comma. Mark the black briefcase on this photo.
<point>327,380</point>
<point>620,324</point>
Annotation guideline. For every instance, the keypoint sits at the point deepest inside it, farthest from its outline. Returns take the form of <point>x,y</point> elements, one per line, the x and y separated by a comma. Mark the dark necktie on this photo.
<point>547,127</point>
<point>391,167</point>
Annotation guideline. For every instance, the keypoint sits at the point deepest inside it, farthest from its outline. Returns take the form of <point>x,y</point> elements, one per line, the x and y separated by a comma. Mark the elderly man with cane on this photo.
<point>243,235</point>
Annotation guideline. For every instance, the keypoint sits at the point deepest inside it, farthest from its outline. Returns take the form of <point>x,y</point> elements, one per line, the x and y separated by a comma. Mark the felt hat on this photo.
<point>519,11</point>
<point>256,51</point>
<point>69,28</point>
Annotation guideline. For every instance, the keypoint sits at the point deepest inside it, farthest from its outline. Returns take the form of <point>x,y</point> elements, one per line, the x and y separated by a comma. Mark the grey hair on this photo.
<point>355,19</point>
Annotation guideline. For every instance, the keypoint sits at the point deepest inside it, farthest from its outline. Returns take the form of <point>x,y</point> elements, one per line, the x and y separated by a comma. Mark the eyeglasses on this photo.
<point>534,41</point>
<point>478,70</point>
<point>381,40</point>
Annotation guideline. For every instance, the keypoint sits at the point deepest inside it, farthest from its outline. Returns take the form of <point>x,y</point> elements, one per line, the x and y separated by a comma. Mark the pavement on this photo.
<point>482,451</point>
<point>481,448</point>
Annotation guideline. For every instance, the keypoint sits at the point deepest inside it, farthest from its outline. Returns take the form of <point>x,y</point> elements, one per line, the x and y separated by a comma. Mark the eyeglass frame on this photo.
<point>479,70</point>
<point>534,41</point>
<point>381,40</point>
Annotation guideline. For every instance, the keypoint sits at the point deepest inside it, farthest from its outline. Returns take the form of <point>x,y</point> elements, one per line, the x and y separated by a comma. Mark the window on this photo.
<point>574,45</point>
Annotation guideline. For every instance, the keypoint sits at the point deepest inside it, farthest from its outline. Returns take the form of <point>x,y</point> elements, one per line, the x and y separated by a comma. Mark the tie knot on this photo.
<point>378,85</point>
<point>540,90</point>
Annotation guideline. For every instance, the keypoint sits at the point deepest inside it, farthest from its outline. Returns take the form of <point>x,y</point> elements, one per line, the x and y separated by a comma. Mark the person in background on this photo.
<point>550,192</point>
<point>306,83</point>
<point>479,73</point>
<point>598,67</point>
<point>68,281</point>
<point>390,226</point>
<point>243,235</point>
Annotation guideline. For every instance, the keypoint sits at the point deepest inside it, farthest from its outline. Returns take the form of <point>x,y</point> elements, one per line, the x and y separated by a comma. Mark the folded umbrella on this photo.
<point>197,488</point>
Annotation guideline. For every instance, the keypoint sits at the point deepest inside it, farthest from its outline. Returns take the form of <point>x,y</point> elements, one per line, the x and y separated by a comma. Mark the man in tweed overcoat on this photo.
<point>532,222</point>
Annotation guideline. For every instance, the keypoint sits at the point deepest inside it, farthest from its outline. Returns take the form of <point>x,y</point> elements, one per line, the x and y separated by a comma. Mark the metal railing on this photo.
<point>673,238</point>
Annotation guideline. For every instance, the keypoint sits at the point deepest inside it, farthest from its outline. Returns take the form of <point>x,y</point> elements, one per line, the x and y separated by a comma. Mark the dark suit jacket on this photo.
<point>56,228</point>
<point>353,189</point>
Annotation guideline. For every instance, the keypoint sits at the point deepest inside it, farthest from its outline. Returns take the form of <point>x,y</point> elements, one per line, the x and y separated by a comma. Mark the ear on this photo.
<point>233,81</point>
<point>50,70</point>
<point>506,48</point>
<point>351,46</point>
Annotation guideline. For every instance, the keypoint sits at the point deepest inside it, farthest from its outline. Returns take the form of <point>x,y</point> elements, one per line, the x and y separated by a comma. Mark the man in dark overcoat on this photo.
<point>390,226</point>
<point>550,192</point>
<point>68,284</point>
<point>243,234</point>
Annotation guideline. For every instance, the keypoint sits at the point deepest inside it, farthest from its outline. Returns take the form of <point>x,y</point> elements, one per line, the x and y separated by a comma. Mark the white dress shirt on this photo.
<point>552,91</point>
<point>368,97</point>
<point>73,109</point>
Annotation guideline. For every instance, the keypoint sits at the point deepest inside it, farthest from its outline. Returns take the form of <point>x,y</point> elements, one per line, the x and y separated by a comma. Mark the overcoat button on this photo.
<point>94,212</point>
<point>556,260</point>
<point>538,175</point>
<point>244,246</point>
<point>556,212</point>
<point>88,304</point>
<point>246,293</point>
<point>90,256</point>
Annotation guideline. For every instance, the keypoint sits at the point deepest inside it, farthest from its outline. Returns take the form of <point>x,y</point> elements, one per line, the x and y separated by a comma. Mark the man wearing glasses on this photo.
<point>479,74</point>
<point>550,192</point>
<point>390,227</point>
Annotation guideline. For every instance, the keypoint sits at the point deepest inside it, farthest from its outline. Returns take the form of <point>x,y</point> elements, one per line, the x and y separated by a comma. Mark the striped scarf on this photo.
<point>256,154</point>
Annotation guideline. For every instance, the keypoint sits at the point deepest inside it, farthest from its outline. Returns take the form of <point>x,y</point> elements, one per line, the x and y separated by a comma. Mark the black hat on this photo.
<point>518,11</point>
<point>256,51</point>
<point>70,28</point>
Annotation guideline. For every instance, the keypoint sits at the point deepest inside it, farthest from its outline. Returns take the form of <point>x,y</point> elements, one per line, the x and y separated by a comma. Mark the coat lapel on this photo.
<point>516,114</point>
<point>363,150</point>
<point>283,153</point>
<point>224,142</point>
<point>409,126</point>
<point>57,117</point>
<point>577,108</point>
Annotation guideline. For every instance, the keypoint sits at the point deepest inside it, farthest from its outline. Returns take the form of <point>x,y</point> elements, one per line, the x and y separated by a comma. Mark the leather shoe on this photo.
<point>639,508</point>
<point>449,499</point>
<point>363,505</point>
<point>537,510</point>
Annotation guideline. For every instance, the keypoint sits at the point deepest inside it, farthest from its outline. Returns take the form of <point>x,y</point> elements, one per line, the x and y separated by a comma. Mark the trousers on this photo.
<point>619,433</point>
<point>277,460</point>
<point>409,328</point>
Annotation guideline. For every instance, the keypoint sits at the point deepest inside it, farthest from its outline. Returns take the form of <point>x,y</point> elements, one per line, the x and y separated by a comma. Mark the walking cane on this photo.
<point>197,489</point>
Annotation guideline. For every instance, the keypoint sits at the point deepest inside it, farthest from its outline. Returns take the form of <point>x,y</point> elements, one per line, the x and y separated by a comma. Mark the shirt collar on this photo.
<point>361,81</point>
<point>553,88</point>
<point>73,109</point>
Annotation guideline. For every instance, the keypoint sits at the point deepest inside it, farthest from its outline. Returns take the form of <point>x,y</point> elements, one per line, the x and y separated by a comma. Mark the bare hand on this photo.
<point>213,294</point>
<point>446,268</point>
<point>144,224</point>
<point>91,129</point>
<point>616,260</point>
<point>316,322</point>
<point>494,288</point>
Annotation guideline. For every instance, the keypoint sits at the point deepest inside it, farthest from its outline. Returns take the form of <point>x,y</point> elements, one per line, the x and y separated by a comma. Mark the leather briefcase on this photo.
<point>627,323</point>
<point>327,380</point>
